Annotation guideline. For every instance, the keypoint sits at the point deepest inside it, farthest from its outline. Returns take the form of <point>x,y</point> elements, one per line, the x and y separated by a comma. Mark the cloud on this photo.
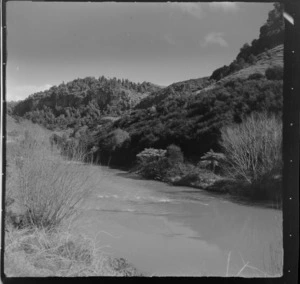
<point>214,38</point>
<point>225,6</point>
<point>192,9</point>
<point>16,93</point>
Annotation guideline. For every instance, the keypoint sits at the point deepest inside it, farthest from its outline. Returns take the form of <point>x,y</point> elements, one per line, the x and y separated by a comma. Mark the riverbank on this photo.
<point>230,189</point>
<point>42,196</point>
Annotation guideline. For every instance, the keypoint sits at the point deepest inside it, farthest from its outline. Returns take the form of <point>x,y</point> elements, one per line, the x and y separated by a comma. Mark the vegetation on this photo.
<point>253,154</point>
<point>274,73</point>
<point>40,253</point>
<point>120,123</point>
<point>43,192</point>
<point>192,121</point>
<point>271,35</point>
<point>82,102</point>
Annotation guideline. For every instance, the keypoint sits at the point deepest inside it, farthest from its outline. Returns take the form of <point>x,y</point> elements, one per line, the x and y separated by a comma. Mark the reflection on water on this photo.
<point>165,230</point>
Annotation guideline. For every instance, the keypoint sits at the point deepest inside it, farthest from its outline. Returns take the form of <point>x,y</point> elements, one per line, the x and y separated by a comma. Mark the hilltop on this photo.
<point>82,101</point>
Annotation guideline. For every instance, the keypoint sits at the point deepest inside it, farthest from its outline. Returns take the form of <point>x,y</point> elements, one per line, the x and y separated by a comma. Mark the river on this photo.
<point>179,231</point>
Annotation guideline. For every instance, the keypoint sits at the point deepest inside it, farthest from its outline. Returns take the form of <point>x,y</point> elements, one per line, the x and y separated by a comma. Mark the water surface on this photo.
<point>179,231</point>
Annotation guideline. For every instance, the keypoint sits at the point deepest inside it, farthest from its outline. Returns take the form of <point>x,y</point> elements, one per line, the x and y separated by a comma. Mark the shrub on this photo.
<point>212,161</point>
<point>255,76</point>
<point>49,188</point>
<point>274,73</point>
<point>152,163</point>
<point>174,154</point>
<point>253,152</point>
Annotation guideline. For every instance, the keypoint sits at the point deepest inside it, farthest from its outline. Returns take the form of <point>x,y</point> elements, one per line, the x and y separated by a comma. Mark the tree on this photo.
<point>253,148</point>
<point>212,159</point>
<point>174,154</point>
<point>115,140</point>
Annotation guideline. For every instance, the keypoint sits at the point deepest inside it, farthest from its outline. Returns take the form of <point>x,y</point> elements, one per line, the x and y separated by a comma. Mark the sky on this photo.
<point>162,43</point>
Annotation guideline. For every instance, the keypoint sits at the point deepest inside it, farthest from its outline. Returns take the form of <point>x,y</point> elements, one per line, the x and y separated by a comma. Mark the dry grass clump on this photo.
<point>32,253</point>
<point>49,189</point>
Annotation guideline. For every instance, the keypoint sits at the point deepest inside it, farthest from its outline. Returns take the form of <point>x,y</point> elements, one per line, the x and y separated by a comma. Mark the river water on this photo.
<point>179,231</point>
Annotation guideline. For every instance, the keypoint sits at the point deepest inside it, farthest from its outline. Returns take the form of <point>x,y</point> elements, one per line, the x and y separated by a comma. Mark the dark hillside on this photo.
<point>190,114</point>
<point>82,101</point>
<point>271,35</point>
<point>187,87</point>
<point>193,121</point>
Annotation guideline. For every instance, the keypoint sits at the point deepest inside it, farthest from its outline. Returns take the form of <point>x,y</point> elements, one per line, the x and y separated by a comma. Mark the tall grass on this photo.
<point>31,253</point>
<point>48,188</point>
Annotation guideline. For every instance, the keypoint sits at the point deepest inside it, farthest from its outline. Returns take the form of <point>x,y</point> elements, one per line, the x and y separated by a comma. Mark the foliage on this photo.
<point>82,102</point>
<point>193,121</point>
<point>271,35</point>
<point>152,163</point>
<point>274,73</point>
<point>48,188</point>
<point>174,154</point>
<point>255,76</point>
<point>212,160</point>
<point>253,151</point>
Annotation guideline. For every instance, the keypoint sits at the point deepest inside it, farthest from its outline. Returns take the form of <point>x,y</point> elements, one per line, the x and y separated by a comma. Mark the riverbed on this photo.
<point>165,230</point>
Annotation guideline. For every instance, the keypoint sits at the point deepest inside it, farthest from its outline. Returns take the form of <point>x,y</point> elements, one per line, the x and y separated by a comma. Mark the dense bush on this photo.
<point>253,152</point>
<point>193,122</point>
<point>152,163</point>
<point>213,161</point>
<point>274,73</point>
<point>81,102</point>
<point>255,76</point>
<point>174,154</point>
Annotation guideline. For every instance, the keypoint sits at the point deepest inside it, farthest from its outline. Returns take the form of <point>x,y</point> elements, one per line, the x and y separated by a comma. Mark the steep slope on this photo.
<point>271,35</point>
<point>265,60</point>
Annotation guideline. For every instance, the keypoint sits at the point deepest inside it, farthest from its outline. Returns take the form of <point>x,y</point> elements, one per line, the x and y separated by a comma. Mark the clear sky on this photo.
<point>162,43</point>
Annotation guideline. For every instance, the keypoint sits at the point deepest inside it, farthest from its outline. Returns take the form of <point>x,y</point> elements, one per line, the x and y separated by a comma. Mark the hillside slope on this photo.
<point>191,113</point>
<point>82,101</point>
<point>173,90</point>
<point>265,60</point>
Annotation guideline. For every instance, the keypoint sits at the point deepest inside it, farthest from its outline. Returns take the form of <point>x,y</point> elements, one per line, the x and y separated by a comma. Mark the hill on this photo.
<point>82,101</point>
<point>174,89</point>
<point>191,113</point>
<point>265,60</point>
<point>271,35</point>
<point>121,118</point>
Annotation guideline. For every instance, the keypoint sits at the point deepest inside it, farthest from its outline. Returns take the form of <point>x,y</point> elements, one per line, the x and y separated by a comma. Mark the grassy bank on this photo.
<point>43,193</point>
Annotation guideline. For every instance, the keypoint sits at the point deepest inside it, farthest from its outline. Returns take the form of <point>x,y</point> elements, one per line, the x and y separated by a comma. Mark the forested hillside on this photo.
<point>82,101</point>
<point>189,114</point>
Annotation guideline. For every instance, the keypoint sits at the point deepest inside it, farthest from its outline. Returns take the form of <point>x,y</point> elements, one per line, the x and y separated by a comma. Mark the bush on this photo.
<point>49,188</point>
<point>255,76</point>
<point>174,154</point>
<point>274,73</point>
<point>253,152</point>
<point>152,163</point>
